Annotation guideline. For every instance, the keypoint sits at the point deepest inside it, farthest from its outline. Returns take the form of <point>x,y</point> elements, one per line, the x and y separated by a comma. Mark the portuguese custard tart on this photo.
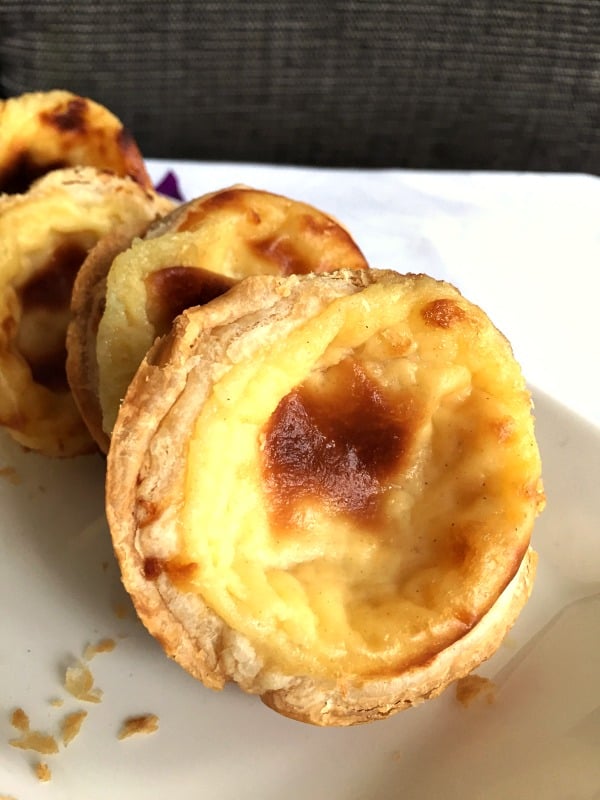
<point>323,487</point>
<point>193,255</point>
<point>43,131</point>
<point>45,235</point>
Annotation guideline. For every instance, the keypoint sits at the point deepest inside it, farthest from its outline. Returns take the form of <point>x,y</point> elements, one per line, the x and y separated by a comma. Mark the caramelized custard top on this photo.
<point>337,443</point>
<point>173,289</point>
<point>44,297</point>
<point>68,117</point>
<point>22,171</point>
<point>51,286</point>
<point>281,251</point>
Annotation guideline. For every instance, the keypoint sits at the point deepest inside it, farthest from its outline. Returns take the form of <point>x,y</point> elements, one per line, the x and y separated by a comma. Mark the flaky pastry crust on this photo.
<point>323,488</point>
<point>45,235</point>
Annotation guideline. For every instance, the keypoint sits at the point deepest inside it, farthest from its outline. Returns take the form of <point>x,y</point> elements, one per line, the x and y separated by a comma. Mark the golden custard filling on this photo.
<point>358,495</point>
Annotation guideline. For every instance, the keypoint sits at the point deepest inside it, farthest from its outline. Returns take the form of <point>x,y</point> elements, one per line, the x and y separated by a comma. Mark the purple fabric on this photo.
<point>169,185</point>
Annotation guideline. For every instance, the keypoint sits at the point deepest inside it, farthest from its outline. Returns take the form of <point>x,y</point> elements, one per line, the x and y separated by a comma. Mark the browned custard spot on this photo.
<point>22,171</point>
<point>310,243</point>
<point>320,226</point>
<point>129,150</point>
<point>442,313</point>
<point>232,200</point>
<point>51,286</point>
<point>336,443</point>
<point>171,290</point>
<point>45,301</point>
<point>281,251</point>
<point>68,117</point>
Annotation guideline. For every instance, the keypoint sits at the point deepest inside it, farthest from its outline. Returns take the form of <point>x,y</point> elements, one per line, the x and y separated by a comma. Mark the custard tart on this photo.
<point>45,235</point>
<point>193,255</point>
<point>43,131</point>
<point>323,488</point>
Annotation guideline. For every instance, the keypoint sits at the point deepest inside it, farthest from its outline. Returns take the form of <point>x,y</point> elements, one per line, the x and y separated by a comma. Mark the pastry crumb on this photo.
<point>144,724</point>
<point>79,682</point>
<point>37,741</point>
<point>19,720</point>
<point>103,646</point>
<point>469,688</point>
<point>42,771</point>
<point>11,475</point>
<point>57,702</point>
<point>71,725</point>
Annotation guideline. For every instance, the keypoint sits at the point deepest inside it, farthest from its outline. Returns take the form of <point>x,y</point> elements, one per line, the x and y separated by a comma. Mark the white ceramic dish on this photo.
<point>60,590</point>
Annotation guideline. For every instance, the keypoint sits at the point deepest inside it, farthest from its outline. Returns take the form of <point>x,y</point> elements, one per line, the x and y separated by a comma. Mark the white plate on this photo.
<point>540,738</point>
<point>59,588</point>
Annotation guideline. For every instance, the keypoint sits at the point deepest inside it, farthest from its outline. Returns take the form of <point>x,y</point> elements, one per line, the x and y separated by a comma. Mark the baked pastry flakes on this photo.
<point>45,234</point>
<point>323,488</point>
<point>43,131</point>
<point>193,255</point>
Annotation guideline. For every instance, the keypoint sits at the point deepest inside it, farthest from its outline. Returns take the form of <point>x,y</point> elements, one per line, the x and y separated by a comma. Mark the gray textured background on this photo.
<point>473,84</point>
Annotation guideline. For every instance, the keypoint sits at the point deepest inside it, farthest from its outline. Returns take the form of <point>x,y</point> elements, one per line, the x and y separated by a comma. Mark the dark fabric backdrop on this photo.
<point>418,83</point>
